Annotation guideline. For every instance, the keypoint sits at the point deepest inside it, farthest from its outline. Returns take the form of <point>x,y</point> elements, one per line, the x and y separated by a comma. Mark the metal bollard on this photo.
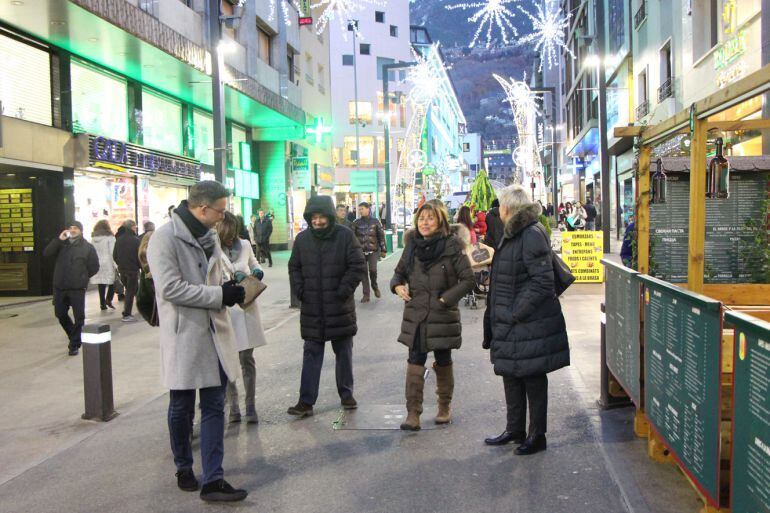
<point>97,372</point>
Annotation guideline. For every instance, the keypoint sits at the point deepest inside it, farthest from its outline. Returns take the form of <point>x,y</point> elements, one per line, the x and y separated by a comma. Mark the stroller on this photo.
<point>481,272</point>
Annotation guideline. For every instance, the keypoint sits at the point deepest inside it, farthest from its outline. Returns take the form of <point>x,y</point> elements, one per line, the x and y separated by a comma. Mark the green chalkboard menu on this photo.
<point>682,361</point>
<point>621,303</point>
<point>751,415</point>
<point>726,231</point>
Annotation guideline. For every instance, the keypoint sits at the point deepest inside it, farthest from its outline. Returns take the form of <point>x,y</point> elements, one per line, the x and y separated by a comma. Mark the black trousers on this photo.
<point>443,357</point>
<point>106,293</point>
<point>63,300</point>
<point>131,283</point>
<point>263,252</point>
<point>371,274</point>
<point>517,392</point>
<point>313,360</point>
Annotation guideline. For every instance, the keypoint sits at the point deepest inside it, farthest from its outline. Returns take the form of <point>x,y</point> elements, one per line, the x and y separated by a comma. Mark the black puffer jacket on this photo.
<point>324,272</point>
<point>76,262</point>
<point>449,278</point>
<point>523,322</point>
<point>126,252</point>
<point>369,232</point>
<point>495,228</point>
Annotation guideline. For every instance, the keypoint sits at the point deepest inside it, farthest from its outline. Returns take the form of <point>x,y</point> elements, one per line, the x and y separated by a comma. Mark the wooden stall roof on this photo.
<point>682,164</point>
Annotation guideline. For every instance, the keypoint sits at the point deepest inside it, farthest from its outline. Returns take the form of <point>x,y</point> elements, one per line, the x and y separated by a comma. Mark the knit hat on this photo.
<point>76,223</point>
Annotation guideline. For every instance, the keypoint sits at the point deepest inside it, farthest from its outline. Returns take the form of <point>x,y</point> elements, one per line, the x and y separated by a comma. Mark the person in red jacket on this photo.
<point>480,226</point>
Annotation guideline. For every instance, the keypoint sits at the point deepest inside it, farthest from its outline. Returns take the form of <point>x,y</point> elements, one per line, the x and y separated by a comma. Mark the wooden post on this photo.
<point>697,233</point>
<point>643,212</point>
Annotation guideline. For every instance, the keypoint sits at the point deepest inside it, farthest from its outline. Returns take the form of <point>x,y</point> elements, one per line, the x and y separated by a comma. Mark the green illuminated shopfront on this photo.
<point>123,150</point>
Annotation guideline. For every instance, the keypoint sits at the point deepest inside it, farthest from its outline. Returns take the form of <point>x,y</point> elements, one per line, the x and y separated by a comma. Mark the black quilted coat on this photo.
<point>323,273</point>
<point>523,322</point>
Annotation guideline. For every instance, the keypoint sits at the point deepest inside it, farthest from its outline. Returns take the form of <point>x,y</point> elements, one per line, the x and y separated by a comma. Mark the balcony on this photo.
<point>641,14</point>
<point>268,76</point>
<point>293,93</point>
<point>643,109</point>
<point>666,90</point>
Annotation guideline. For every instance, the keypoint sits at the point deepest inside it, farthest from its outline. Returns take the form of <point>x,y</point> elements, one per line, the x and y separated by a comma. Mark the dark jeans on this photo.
<point>313,360</point>
<point>371,264</point>
<point>106,293</point>
<point>181,410</point>
<point>263,253</point>
<point>63,300</point>
<point>443,357</point>
<point>130,281</point>
<point>517,392</point>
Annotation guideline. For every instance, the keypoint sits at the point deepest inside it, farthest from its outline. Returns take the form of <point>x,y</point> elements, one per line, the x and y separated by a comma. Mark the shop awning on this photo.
<point>682,164</point>
<point>168,62</point>
<point>587,142</point>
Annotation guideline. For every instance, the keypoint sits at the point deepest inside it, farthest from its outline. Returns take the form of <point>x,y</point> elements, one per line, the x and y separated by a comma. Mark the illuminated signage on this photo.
<point>122,156</point>
<point>730,50</point>
<point>305,17</point>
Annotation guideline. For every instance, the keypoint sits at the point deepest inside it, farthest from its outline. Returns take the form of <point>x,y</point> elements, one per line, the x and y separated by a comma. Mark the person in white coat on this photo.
<point>238,259</point>
<point>103,241</point>
<point>197,344</point>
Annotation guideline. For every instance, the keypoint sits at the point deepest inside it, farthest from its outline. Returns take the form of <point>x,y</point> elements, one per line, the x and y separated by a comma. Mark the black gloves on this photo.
<point>486,343</point>
<point>232,293</point>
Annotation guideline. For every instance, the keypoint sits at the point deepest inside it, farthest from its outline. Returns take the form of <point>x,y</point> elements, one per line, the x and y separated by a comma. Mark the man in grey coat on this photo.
<point>197,345</point>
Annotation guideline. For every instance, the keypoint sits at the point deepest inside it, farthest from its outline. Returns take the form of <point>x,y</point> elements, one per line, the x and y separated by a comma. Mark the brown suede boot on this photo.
<point>415,382</point>
<point>445,385</point>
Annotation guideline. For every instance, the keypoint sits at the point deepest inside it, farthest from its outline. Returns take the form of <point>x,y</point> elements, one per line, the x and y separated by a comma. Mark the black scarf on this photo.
<point>324,233</point>
<point>427,251</point>
<point>205,237</point>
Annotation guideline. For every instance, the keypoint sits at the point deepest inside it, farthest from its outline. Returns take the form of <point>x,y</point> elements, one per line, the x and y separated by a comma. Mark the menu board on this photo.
<point>622,330</point>
<point>751,415</point>
<point>582,251</point>
<point>726,231</point>
<point>682,354</point>
<point>16,221</point>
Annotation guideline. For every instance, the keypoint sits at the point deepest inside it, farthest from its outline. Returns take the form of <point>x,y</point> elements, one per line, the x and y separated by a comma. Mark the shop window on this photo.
<point>161,123</point>
<point>364,112</point>
<point>236,146</point>
<point>25,87</point>
<point>366,147</point>
<point>203,137</point>
<point>99,102</point>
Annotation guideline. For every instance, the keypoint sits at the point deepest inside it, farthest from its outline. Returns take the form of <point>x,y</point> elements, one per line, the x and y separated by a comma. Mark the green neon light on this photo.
<point>319,130</point>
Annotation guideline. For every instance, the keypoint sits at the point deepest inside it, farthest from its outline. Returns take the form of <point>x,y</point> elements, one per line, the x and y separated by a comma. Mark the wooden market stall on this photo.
<point>666,344</point>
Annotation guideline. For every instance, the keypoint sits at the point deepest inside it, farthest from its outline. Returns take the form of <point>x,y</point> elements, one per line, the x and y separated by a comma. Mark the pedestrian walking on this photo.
<point>263,228</point>
<point>103,242</point>
<point>126,256</point>
<point>465,218</point>
<point>627,248</point>
<point>239,261</point>
<point>252,237</point>
<point>431,277</point>
<point>371,236</point>
<point>342,216</point>
<point>197,344</point>
<point>148,227</point>
<point>325,267</point>
<point>590,212</point>
<point>494,225</point>
<point>523,323</point>
<point>76,262</point>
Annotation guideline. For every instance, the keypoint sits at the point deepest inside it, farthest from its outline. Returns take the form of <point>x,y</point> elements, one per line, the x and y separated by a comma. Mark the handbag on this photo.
<point>480,254</point>
<point>252,287</point>
<point>145,299</point>
<point>562,276</point>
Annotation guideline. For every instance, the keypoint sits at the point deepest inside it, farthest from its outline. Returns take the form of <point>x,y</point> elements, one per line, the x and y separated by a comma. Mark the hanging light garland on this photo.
<point>285,8</point>
<point>492,15</point>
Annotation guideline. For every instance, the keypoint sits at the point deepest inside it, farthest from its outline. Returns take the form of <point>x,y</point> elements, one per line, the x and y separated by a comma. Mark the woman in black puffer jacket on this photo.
<point>523,324</point>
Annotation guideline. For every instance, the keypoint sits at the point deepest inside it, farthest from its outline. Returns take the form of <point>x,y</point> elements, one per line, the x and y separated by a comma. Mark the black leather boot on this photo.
<point>531,445</point>
<point>507,437</point>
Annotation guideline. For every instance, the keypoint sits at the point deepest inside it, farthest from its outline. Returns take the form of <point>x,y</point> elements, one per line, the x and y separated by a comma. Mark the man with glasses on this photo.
<point>196,340</point>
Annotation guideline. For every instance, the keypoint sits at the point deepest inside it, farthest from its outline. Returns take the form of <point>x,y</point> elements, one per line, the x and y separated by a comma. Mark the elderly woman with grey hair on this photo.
<point>523,324</point>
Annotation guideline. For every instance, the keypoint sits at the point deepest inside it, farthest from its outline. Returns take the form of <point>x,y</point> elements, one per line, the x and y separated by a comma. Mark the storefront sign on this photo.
<point>300,173</point>
<point>17,232</point>
<point>122,156</point>
<point>582,251</point>
<point>730,50</point>
<point>324,177</point>
<point>305,17</point>
<point>363,181</point>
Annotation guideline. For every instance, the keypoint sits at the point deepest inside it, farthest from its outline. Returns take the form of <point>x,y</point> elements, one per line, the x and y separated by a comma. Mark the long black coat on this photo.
<point>523,322</point>
<point>495,228</point>
<point>126,252</point>
<point>450,278</point>
<point>323,274</point>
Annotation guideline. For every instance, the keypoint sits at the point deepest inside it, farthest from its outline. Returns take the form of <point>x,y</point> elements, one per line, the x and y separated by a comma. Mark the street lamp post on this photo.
<point>217,91</point>
<point>554,179</point>
<point>603,145</point>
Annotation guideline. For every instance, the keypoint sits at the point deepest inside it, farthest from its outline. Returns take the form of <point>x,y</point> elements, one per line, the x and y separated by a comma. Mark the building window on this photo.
<point>25,88</point>
<point>238,137</point>
<point>203,137</point>
<point>381,61</point>
<point>364,112</point>
<point>393,31</point>
<point>666,89</point>
<point>99,102</point>
<point>161,123</point>
<point>321,79</point>
<point>643,105</point>
<point>365,49</point>
<point>309,69</point>
<point>466,147</point>
<point>379,16</point>
<point>292,67</point>
<point>347,60</point>
<point>265,46</point>
<point>366,147</point>
<point>705,23</point>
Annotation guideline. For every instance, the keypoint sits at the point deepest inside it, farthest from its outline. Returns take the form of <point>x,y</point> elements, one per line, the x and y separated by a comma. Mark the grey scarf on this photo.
<point>208,242</point>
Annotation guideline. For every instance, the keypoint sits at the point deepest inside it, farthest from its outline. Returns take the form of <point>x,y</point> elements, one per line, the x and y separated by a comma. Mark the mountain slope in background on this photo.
<point>471,69</point>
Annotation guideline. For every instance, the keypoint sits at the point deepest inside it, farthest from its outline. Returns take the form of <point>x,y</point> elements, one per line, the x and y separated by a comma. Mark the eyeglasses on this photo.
<point>218,211</point>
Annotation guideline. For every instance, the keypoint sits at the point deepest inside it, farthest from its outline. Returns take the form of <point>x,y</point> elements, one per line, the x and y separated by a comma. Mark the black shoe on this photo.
<point>506,437</point>
<point>74,351</point>
<point>349,403</point>
<point>185,480</point>
<point>365,299</point>
<point>531,445</point>
<point>221,491</point>
<point>102,307</point>
<point>376,292</point>
<point>121,297</point>
<point>301,410</point>
<point>110,305</point>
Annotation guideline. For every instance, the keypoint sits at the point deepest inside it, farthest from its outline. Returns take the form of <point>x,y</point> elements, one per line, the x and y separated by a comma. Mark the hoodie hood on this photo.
<point>523,217</point>
<point>320,205</point>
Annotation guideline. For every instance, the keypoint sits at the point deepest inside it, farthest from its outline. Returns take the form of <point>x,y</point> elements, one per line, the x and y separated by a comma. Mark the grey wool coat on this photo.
<point>196,334</point>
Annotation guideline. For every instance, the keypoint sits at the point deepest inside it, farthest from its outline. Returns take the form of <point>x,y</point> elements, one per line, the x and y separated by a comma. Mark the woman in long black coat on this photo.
<point>523,324</point>
<point>432,276</point>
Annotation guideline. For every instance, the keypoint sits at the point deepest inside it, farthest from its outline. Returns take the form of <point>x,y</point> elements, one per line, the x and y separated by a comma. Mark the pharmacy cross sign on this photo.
<point>318,130</point>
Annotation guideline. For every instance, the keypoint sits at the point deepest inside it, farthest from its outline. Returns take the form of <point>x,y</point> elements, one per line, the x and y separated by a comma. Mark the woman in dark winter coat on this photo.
<point>523,324</point>
<point>432,276</point>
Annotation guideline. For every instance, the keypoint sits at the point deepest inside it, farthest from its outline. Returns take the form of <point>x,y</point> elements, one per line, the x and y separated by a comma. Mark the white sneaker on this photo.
<point>128,318</point>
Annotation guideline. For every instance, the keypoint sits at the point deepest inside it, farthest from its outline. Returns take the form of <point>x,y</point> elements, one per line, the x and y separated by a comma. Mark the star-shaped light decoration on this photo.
<point>425,78</point>
<point>548,32</point>
<point>343,11</point>
<point>491,14</point>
